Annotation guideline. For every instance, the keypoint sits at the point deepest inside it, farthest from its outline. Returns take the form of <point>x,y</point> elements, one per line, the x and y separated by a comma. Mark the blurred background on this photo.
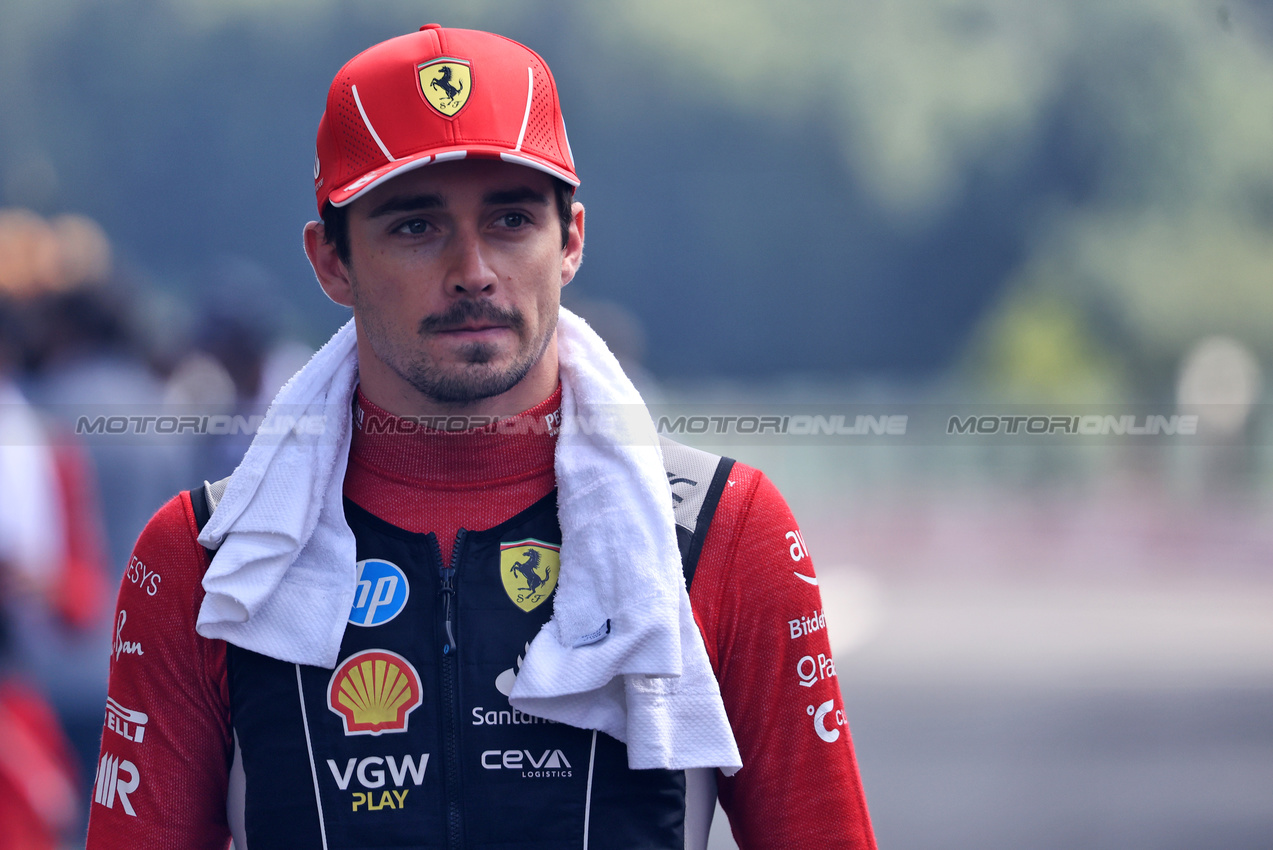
<point>912,208</point>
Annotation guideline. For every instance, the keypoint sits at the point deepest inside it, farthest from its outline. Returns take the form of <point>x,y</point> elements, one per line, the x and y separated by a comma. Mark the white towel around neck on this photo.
<point>283,579</point>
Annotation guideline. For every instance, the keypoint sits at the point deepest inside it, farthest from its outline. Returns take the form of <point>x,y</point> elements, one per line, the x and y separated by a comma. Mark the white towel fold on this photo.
<point>282,582</point>
<point>648,682</point>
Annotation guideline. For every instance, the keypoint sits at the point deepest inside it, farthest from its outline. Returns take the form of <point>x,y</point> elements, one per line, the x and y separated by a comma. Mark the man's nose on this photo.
<point>468,271</point>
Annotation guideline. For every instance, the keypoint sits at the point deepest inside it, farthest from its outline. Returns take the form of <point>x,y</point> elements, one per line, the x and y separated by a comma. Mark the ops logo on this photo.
<point>381,593</point>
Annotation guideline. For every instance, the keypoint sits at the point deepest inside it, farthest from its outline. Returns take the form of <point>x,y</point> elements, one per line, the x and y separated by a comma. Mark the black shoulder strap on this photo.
<point>697,479</point>
<point>199,501</point>
<point>204,500</point>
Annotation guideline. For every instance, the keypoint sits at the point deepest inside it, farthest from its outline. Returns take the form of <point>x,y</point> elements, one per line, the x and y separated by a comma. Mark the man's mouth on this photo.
<point>472,319</point>
<point>473,331</point>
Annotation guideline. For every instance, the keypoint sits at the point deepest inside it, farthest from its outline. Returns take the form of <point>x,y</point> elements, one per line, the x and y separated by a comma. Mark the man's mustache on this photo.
<point>462,313</point>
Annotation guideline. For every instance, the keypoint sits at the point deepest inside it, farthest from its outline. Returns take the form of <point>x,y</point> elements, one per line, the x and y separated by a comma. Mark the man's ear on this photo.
<point>572,253</point>
<point>332,274</point>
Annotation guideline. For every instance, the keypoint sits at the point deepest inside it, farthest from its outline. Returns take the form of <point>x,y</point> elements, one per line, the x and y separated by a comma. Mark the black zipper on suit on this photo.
<point>451,688</point>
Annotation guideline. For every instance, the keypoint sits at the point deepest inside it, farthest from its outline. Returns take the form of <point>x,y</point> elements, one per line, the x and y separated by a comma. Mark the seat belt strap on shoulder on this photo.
<point>204,499</point>
<point>697,479</point>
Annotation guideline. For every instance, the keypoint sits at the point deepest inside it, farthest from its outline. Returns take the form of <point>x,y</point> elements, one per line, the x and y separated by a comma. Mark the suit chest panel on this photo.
<point>388,742</point>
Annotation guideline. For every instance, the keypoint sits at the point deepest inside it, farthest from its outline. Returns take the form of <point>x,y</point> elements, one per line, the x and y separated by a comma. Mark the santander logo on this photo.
<point>504,681</point>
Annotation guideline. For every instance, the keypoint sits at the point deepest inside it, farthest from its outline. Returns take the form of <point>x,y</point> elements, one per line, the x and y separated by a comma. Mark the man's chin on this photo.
<point>477,354</point>
<point>468,382</point>
<point>481,346</point>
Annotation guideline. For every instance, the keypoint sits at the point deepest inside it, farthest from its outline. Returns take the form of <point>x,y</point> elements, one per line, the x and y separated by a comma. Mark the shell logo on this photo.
<point>374,691</point>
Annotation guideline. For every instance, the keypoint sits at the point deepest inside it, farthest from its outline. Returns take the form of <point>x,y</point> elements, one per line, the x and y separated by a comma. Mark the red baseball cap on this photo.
<point>432,96</point>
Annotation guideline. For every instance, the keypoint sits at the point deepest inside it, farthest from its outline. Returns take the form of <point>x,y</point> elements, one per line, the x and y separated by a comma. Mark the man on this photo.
<point>445,185</point>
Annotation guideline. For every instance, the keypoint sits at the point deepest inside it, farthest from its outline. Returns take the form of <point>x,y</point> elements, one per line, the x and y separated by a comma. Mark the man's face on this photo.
<point>455,278</point>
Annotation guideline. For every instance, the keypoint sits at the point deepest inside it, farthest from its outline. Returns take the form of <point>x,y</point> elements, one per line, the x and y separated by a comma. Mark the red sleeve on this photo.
<point>166,747</point>
<point>756,597</point>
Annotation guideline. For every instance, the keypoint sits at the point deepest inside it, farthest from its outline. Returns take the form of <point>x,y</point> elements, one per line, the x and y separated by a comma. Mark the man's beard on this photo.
<point>476,380</point>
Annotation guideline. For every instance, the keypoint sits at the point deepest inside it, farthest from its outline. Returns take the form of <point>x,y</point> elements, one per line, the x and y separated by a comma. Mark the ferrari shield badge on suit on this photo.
<point>529,570</point>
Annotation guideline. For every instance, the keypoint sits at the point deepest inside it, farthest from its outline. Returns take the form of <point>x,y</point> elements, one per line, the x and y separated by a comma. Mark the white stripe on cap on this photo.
<point>410,165</point>
<point>370,129</point>
<point>393,172</point>
<point>539,166</point>
<point>570,153</point>
<point>530,94</point>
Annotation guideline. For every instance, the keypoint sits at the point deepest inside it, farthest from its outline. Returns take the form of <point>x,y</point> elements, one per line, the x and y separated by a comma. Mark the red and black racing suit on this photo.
<point>202,737</point>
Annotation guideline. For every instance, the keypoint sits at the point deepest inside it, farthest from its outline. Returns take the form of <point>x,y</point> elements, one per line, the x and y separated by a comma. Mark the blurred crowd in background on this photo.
<point>922,205</point>
<point>73,338</point>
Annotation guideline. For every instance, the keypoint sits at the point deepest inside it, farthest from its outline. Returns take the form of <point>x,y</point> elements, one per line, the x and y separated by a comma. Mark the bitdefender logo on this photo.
<point>804,626</point>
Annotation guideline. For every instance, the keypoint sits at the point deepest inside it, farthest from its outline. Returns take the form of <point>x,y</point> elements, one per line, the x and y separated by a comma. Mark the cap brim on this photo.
<point>365,183</point>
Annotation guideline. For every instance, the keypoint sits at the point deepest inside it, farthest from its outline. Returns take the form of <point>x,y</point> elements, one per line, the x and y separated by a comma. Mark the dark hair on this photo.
<point>336,220</point>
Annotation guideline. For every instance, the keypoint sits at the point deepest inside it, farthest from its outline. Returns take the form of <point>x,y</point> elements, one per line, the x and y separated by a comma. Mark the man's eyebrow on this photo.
<point>520,195</point>
<point>408,203</point>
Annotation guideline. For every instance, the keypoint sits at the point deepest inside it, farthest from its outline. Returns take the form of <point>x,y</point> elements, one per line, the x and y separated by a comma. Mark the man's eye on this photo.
<point>415,227</point>
<point>513,220</point>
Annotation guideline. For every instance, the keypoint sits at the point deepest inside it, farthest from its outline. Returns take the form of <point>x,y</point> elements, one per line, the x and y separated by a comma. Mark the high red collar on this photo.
<point>442,451</point>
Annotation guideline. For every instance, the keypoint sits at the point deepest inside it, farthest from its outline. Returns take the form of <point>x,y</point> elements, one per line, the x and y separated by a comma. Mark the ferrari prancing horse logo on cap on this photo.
<point>446,84</point>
